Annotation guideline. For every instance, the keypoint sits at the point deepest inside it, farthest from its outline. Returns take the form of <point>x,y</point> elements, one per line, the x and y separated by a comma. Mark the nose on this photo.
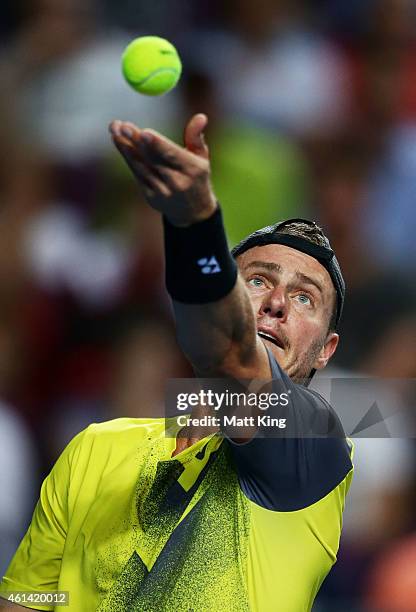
<point>275,304</point>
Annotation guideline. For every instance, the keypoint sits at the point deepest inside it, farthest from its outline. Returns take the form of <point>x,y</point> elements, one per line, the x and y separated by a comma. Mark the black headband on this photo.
<point>324,254</point>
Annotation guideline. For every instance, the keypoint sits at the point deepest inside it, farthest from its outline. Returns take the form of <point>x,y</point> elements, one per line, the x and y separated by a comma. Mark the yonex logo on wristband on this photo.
<point>209,265</point>
<point>199,266</point>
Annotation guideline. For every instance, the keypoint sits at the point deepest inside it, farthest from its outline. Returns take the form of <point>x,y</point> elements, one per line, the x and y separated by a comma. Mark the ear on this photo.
<point>326,351</point>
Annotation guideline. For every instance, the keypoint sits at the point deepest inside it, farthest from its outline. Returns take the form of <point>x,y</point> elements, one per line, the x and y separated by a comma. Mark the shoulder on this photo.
<point>297,466</point>
<point>118,436</point>
<point>308,412</point>
<point>125,426</point>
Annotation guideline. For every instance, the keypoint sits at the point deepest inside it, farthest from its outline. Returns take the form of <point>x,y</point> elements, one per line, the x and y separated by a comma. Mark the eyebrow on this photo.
<point>266,265</point>
<point>309,281</point>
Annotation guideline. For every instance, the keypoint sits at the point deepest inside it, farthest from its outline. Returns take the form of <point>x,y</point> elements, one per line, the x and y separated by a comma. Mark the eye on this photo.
<point>304,299</point>
<point>256,282</point>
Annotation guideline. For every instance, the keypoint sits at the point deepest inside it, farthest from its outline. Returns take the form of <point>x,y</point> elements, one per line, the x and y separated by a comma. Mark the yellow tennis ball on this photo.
<point>151,65</point>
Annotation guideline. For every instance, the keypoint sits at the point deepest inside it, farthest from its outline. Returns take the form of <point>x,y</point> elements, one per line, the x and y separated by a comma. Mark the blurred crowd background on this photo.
<point>312,112</point>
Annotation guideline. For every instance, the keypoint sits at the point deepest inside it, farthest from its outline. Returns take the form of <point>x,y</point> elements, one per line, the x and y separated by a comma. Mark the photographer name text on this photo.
<point>185,420</point>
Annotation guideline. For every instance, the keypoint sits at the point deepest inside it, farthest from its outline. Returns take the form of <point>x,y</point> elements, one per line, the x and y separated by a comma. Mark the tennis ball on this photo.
<point>151,65</point>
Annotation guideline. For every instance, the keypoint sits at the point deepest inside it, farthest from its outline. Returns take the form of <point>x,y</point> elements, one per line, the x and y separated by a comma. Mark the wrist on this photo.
<point>194,215</point>
<point>199,266</point>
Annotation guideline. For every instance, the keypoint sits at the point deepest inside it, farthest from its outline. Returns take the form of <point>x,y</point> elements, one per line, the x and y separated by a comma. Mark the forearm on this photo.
<point>219,337</point>
<point>215,321</point>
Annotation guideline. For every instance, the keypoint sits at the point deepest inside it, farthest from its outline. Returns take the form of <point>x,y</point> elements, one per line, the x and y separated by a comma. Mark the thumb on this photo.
<point>194,137</point>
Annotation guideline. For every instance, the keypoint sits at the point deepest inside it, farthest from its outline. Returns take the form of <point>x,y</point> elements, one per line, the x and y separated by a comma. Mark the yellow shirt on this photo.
<point>123,526</point>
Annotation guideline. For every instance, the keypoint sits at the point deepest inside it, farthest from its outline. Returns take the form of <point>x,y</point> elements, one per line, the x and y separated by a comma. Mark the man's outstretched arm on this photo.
<point>219,337</point>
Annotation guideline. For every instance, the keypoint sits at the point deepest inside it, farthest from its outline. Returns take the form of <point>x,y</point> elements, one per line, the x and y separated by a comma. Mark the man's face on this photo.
<point>293,296</point>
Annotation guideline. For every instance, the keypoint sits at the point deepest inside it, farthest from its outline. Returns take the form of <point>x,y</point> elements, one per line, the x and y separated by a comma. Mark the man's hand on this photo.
<point>175,180</point>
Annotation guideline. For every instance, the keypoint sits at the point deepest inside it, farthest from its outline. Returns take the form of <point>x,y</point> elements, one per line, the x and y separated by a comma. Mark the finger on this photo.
<point>161,176</point>
<point>131,132</point>
<point>173,179</point>
<point>159,150</point>
<point>149,180</point>
<point>117,133</point>
<point>145,175</point>
<point>194,136</point>
<point>117,126</point>
<point>130,135</point>
<point>154,149</point>
<point>125,135</point>
<point>114,127</point>
<point>126,132</point>
<point>124,147</point>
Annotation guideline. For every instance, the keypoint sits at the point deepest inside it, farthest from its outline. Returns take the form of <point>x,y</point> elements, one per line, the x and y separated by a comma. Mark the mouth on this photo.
<point>271,338</point>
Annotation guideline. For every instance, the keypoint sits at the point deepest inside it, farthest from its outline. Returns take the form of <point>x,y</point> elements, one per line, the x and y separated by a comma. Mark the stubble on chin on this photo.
<point>300,367</point>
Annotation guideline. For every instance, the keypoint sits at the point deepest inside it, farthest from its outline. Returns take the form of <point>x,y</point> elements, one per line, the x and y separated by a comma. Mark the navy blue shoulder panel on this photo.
<point>289,473</point>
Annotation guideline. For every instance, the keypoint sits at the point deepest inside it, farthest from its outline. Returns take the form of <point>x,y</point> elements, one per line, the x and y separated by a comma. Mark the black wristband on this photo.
<point>199,266</point>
